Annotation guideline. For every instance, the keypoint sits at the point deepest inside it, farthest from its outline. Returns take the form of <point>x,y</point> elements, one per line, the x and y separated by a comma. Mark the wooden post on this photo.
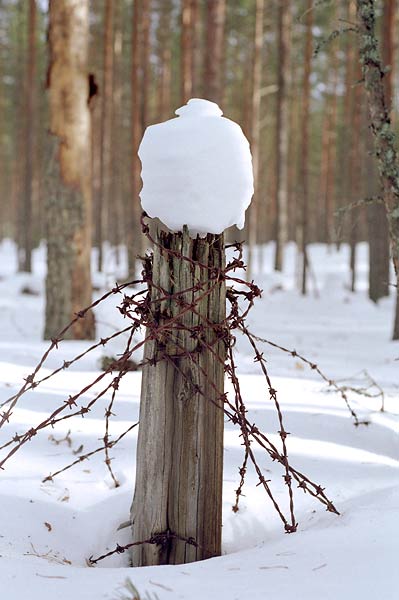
<point>180,443</point>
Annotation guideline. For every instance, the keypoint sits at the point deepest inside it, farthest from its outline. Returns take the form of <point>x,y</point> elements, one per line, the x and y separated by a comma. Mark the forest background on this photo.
<point>288,72</point>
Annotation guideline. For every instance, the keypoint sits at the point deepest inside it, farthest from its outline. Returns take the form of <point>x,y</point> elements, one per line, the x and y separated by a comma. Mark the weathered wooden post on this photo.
<point>197,179</point>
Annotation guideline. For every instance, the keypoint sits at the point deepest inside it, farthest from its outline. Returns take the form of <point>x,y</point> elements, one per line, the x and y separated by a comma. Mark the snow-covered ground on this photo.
<point>48,530</point>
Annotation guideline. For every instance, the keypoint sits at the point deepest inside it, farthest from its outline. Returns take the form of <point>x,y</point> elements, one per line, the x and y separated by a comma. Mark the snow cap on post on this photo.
<point>196,170</point>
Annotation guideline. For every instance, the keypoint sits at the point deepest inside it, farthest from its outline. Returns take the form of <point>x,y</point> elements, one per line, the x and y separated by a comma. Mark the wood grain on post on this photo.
<point>179,472</point>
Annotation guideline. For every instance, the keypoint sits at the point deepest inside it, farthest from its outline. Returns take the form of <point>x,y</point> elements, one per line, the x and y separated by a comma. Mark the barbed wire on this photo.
<point>140,308</point>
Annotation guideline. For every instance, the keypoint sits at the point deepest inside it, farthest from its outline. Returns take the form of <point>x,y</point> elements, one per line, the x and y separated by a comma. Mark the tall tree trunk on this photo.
<point>106,131</point>
<point>133,232</point>
<point>384,138</point>
<point>165,59</point>
<point>19,133</point>
<point>179,469</point>
<point>118,148</point>
<point>68,283</point>
<point>188,13</point>
<point>198,51</point>
<point>388,48</point>
<point>343,198</point>
<point>145,62</point>
<point>3,161</point>
<point>30,102</point>
<point>329,150</point>
<point>214,51</point>
<point>304,160</point>
<point>255,132</point>
<point>379,258</point>
<point>355,185</point>
<point>282,130</point>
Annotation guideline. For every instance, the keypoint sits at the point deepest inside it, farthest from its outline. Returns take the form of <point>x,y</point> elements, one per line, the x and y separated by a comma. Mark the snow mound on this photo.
<point>196,170</point>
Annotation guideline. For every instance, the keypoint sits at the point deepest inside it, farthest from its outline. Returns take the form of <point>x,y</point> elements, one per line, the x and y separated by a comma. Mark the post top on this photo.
<point>197,107</point>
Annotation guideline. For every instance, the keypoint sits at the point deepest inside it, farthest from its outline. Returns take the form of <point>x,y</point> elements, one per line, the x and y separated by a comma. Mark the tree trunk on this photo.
<point>164,35</point>
<point>30,87</point>
<point>118,149</point>
<point>133,231</point>
<point>282,130</point>
<point>253,211</point>
<point>68,283</point>
<point>329,150</point>
<point>106,131</point>
<point>187,49</point>
<point>388,49</point>
<point>18,158</point>
<point>214,51</point>
<point>145,62</point>
<point>384,138</point>
<point>355,187</point>
<point>180,444</point>
<point>379,258</point>
<point>304,160</point>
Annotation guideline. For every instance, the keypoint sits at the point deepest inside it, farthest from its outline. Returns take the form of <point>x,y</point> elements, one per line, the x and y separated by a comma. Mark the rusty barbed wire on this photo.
<point>332,383</point>
<point>140,309</point>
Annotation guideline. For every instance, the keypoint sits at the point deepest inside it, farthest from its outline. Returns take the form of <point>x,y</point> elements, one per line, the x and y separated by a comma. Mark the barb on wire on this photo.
<point>332,383</point>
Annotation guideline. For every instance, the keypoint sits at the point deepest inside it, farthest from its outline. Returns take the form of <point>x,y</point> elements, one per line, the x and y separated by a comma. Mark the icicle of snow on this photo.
<point>196,170</point>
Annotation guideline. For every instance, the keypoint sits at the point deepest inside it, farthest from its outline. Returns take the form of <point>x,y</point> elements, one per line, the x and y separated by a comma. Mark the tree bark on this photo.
<point>30,98</point>
<point>214,51</point>
<point>388,49</point>
<point>106,131</point>
<point>133,232</point>
<point>379,258</point>
<point>304,159</point>
<point>282,130</point>
<point>329,149</point>
<point>118,149</point>
<point>145,62</point>
<point>384,138</point>
<point>68,283</point>
<point>188,14</point>
<point>180,443</point>
<point>355,179</point>
<point>165,59</point>
<point>253,211</point>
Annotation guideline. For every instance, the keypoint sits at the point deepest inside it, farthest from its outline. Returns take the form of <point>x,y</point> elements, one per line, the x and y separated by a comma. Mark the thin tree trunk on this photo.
<point>180,443</point>
<point>384,138</point>
<point>187,49</point>
<point>145,62</point>
<point>304,161</point>
<point>344,164</point>
<point>379,258</point>
<point>355,187</point>
<point>255,132</point>
<point>19,157</point>
<point>198,51</point>
<point>106,131</point>
<point>133,232</point>
<point>4,182</point>
<point>215,23</point>
<point>68,283</point>
<point>329,151</point>
<point>282,130</point>
<point>165,59</point>
<point>30,101</point>
<point>118,149</point>
<point>388,49</point>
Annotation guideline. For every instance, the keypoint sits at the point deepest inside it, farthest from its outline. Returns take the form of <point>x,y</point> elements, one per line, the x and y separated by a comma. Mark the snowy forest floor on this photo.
<point>48,530</point>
